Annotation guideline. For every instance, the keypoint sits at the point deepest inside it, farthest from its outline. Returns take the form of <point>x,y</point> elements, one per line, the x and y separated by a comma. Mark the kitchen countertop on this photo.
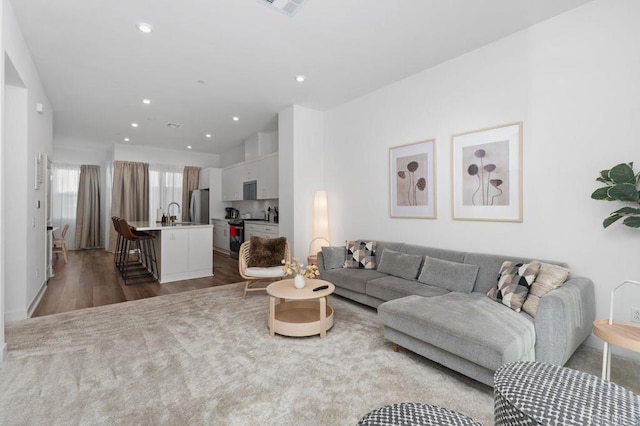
<point>144,225</point>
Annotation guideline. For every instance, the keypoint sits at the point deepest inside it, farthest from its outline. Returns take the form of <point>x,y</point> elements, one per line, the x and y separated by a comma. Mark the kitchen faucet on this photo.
<point>169,208</point>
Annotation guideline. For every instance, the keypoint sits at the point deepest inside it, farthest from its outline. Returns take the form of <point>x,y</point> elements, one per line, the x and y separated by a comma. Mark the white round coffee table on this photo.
<point>301,312</point>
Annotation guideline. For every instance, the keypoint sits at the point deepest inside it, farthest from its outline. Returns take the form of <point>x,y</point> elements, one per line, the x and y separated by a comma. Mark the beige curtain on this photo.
<point>190,178</point>
<point>130,194</point>
<point>88,209</point>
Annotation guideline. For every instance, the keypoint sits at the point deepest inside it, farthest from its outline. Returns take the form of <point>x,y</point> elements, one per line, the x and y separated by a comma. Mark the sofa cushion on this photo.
<point>470,326</point>
<point>351,279</point>
<point>452,255</point>
<point>390,287</point>
<point>399,264</point>
<point>549,278</point>
<point>490,265</point>
<point>514,283</point>
<point>361,254</point>
<point>452,276</point>
<point>333,257</point>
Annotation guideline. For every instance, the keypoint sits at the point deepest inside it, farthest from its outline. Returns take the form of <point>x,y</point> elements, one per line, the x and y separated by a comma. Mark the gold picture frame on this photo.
<point>486,170</point>
<point>412,180</point>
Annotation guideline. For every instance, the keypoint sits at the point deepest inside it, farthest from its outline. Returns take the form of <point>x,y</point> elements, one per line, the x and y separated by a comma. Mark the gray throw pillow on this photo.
<point>333,257</point>
<point>449,275</point>
<point>399,264</point>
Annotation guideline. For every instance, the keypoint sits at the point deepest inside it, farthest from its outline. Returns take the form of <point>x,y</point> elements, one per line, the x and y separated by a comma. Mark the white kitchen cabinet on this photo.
<point>200,244</point>
<point>260,229</point>
<point>221,235</point>
<point>182,252</point>
<point>174,253</point>
<point>203,179</point>
<point>232,183</point>
<point>268,177</point>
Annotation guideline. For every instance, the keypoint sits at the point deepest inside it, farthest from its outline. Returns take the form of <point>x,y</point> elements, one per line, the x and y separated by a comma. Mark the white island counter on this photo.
<point>183,250</point>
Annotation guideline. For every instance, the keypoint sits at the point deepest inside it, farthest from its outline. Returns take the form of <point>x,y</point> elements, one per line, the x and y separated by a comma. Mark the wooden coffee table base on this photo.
<point>301,318</point>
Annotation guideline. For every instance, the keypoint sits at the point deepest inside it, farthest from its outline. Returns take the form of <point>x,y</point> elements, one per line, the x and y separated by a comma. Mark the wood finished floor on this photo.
<point>91,279</point>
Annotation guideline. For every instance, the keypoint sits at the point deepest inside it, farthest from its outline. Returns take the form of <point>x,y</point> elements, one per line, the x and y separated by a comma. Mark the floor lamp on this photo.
<point>320,234</point>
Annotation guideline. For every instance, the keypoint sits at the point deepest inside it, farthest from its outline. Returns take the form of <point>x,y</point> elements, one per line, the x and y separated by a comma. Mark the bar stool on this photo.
<point>142,243</point>
<point>118,250</point>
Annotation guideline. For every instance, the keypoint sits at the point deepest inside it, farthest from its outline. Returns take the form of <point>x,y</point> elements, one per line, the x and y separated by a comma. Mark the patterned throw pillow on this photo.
<point>549,278</point>
<point>361,254</point>
<point>514,283</point>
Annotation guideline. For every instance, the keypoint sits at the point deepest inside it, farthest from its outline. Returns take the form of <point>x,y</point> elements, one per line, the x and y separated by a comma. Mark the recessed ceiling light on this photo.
<point>134,124</point>
<point>300,78</point>
<point>127,139</point>
<point>146,101</point>
<point>208,135</point>
<point>144,27</point>
<point>188,146</point>
<point>236,118</point>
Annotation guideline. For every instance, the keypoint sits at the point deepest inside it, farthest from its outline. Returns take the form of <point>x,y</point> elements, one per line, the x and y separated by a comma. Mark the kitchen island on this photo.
<point>183,250</point>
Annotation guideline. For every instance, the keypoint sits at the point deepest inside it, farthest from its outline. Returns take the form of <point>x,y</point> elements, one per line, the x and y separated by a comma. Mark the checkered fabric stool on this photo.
<point>534,393</point>
<point>410,414</point>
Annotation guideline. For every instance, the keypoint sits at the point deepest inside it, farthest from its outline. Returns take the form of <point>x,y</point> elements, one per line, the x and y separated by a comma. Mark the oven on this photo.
<point>236,237</point>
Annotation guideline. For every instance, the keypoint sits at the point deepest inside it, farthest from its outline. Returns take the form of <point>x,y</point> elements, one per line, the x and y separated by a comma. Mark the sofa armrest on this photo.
<point>320,262</point>
<point>564,319</point>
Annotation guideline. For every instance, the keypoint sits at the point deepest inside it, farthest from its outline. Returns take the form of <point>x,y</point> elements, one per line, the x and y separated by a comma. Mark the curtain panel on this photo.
<point>129,194</point>
<point>190,178</point>
<point>165,186</point>
<point>88,210</point>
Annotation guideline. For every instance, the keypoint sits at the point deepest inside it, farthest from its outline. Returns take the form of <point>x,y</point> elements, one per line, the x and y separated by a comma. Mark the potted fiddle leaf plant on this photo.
<point>621,184</point>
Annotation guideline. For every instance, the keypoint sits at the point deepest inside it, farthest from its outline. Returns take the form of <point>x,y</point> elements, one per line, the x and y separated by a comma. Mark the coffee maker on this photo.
<point>231,213</point>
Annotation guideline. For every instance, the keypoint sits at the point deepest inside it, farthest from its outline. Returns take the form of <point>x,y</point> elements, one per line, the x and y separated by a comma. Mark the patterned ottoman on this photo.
<point>409,414</point>
<point>534,393</point>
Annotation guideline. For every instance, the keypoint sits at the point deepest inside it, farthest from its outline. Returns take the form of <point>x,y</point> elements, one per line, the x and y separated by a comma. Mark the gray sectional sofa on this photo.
<point>451,320</point>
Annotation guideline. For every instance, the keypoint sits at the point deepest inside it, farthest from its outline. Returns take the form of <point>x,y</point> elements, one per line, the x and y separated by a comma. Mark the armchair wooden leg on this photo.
<point>396,348</point>
<point>246,288</point>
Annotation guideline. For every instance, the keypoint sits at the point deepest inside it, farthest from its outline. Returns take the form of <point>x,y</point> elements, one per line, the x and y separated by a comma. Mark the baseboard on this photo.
<point>36,300</point>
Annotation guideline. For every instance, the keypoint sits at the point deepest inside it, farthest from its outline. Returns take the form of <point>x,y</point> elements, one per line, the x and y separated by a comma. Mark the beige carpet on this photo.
<point>205,357</point>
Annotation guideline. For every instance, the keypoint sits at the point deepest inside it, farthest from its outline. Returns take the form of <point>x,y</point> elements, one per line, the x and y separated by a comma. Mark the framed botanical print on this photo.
<point>487,174</point>
<point>412,186</point>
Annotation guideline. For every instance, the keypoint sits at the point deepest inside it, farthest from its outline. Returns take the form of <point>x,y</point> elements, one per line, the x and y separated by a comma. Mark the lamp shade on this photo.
<point>320,230</point>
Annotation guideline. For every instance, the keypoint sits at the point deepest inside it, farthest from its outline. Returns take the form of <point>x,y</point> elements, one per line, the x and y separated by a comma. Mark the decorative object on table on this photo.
<point>487,174</point>
<point>621,184</point>
<point>300,271</point>
<point>409,413</point>
<point>412,175</point>
<point>320,230</point>
<point>536,393</point>
<point>621,334</point>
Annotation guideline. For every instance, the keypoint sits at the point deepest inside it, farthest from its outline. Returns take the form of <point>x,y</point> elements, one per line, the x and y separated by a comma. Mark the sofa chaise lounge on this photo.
<point>443,313</point>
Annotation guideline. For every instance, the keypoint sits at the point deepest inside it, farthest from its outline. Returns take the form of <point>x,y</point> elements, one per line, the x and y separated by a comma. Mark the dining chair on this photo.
<point>59,244</point>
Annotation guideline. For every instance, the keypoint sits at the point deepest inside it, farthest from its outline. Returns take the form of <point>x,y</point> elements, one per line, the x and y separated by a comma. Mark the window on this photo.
<point>64,199</point>
<point>165,186</point>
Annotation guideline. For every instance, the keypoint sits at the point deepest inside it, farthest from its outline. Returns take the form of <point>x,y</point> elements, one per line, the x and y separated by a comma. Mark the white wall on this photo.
<point>24,263</point>
<point>3,345</point>
<point>301,137</point>
<point>151,155</point>
<point>572,80</point>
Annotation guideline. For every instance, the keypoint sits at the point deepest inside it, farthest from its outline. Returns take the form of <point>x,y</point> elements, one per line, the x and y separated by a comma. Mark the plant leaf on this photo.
<point>604,175</point>
<point>628,211</point>
<point>632,221</point>
<point>611,219</point>
<point>623,192</point>
<point>601,194</point>
<point>622,173</point>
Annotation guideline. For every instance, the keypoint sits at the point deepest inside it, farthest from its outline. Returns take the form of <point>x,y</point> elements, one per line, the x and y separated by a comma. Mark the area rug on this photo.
<point>206,357</point>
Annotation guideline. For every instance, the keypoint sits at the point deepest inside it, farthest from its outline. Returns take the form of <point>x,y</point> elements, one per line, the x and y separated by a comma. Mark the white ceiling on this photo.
<point>97,67</point>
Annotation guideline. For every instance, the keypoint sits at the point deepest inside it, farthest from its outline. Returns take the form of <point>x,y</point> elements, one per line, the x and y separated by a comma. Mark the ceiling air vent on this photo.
<point>289,7</point>
<point>174,125</point>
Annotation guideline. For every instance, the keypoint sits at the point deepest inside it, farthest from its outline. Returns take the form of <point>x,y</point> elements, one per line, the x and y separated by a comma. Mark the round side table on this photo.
<point>535,393</point>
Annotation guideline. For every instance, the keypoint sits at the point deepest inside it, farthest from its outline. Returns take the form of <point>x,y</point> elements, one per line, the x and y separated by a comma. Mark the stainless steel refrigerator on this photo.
<point>199,206</point>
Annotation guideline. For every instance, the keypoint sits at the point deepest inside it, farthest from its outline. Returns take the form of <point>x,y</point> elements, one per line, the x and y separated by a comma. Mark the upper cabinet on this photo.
<point>268,177</point>
<point>263,170</point>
